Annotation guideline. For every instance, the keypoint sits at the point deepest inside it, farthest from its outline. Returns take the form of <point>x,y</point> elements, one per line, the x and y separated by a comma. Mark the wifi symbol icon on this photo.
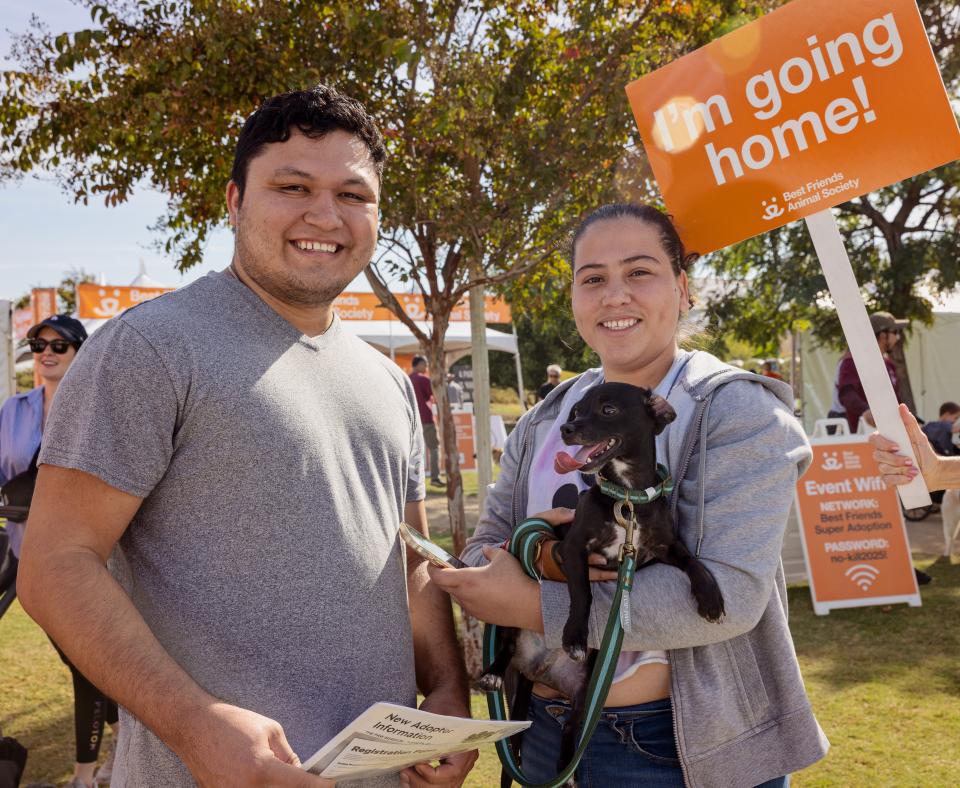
<point>863,575</point>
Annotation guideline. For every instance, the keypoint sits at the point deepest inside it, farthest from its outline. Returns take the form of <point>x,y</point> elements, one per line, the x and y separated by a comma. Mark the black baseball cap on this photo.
<point>68,327</point>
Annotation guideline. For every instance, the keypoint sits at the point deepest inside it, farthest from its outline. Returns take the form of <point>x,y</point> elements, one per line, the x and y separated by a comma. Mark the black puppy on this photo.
<point>615,426</point>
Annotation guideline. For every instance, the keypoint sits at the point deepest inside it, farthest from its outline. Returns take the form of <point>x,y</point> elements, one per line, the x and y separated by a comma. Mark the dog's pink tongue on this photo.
<point>566,463</point>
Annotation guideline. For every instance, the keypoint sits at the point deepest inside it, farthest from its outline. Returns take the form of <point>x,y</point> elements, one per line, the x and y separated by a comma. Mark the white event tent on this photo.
<point>393,337</point>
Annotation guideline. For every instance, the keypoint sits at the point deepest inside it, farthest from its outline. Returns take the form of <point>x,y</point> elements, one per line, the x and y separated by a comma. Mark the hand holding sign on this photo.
<point>810,106</point>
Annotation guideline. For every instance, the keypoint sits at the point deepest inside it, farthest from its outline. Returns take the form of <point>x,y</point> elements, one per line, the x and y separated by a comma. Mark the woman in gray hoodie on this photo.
<point>693,703</point>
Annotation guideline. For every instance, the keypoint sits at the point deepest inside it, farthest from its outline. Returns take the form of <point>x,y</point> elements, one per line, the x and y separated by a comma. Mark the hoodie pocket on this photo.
<point>744,666</point>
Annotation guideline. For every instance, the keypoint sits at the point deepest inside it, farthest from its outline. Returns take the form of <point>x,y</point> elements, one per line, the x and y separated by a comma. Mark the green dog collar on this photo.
<point>619,493</point>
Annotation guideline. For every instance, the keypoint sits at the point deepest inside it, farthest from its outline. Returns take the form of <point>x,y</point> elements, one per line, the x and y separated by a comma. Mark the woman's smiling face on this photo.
<point>626,298</point>
<point>52,366</point>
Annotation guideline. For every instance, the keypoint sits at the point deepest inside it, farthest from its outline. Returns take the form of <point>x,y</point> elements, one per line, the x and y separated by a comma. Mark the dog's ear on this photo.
<point>661,412</point>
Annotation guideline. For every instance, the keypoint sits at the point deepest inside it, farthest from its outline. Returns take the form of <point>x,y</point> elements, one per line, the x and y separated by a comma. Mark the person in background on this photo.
<point>768,370</point>
<point>943,434</point>
<point>55,342</point>
<point>425,400</point>
<point>849,398</point>
<point>553,380</point>
<point>454,391</point>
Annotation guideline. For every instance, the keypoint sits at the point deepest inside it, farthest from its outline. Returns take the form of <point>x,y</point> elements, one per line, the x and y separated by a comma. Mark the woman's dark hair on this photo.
<point>314,113</point>
<point>680,259</point>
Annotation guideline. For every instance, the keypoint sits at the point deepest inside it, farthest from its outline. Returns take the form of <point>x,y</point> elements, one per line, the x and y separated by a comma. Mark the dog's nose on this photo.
<point>566,429</point>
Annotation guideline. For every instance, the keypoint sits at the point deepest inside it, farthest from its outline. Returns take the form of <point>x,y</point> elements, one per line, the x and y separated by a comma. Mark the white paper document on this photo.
<point>387,738</point>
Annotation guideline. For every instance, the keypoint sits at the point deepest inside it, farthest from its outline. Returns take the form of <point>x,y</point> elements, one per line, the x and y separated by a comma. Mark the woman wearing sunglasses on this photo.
<point>54,342</point>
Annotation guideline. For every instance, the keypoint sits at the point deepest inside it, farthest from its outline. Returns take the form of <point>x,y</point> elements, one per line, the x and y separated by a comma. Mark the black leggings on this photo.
<point>92,710</point>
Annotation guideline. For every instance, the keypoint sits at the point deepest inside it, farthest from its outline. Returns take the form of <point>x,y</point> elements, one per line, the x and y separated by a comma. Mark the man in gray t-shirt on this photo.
<point>245,464</point>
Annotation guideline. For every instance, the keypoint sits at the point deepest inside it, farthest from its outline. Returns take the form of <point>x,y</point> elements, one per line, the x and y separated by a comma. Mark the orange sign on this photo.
<point>102,301</point>
<point>22,322</point>
<point>466,445</point>
<point>367,306</point>
<point>43,303</point>
<point>806,108</point>
<point>361,306</point>
<point>851,525</point>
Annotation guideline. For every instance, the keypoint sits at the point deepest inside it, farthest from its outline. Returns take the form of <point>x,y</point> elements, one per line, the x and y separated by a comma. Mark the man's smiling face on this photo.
<point>307,222</point>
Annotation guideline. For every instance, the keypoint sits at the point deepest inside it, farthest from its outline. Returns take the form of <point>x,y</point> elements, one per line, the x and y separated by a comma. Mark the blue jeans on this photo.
<point>632,745</point>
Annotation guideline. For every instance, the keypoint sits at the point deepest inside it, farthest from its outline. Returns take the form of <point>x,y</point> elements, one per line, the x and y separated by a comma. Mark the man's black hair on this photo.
<point>417,360</point>
<point>313,113</point>
<point>949,407</point>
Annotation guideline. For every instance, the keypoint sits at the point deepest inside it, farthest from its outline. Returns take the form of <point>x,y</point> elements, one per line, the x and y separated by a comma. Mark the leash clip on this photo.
<point>628,522</point>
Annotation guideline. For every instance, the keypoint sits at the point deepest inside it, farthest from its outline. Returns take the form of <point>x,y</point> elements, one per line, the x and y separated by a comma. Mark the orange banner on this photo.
<point>102,301</point>
<point>22,322</point>
<point>43,303</point>
<point>806,108</point>
<point>854,539</point>
<point>367,306</point>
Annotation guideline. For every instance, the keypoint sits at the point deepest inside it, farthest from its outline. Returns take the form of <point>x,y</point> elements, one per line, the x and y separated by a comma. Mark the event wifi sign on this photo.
<point>852,529</point>
<point>806,108</point>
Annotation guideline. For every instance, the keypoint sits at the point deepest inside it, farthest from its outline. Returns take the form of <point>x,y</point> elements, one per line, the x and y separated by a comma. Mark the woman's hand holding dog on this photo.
<point>501,592</point>
<point>498,593</point>
<point>548,569</point>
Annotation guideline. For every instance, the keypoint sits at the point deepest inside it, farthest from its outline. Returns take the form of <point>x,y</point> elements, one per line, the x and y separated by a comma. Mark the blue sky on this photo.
<point>44,234</point>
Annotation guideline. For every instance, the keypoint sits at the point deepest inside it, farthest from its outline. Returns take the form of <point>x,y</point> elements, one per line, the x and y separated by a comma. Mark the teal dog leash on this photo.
<point>523,545</point>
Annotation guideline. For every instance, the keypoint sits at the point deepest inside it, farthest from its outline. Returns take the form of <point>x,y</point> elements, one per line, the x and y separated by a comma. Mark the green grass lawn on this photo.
<point>469,484</point>
<point>511,411</point>
<point>885,685</point>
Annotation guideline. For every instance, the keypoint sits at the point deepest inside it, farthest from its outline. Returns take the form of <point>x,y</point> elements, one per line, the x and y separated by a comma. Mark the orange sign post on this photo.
<point>810,106</point>
<point>466,443</point>
<point>22,322</point>
<point>463,423</point>
<point>854,539</point>
<point>43,304</point>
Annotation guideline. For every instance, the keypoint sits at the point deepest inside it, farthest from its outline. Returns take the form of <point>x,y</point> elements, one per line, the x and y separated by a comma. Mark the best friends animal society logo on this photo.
<point>806,194</point>
<point>805,108</point>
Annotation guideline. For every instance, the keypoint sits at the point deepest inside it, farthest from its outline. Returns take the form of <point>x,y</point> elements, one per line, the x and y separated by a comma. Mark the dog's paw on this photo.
<point>711,609</point>
<point>576,652</point>
<point>575,640</point>
<point>488,682</point>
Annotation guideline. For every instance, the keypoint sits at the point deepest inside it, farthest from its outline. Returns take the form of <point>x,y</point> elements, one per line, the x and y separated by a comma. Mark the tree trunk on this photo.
<point>905,389</point>
<point>901,297</point>
<point>471,629</point>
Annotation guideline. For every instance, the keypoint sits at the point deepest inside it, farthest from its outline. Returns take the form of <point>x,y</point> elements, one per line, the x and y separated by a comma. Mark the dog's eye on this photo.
<point>608,410</point>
